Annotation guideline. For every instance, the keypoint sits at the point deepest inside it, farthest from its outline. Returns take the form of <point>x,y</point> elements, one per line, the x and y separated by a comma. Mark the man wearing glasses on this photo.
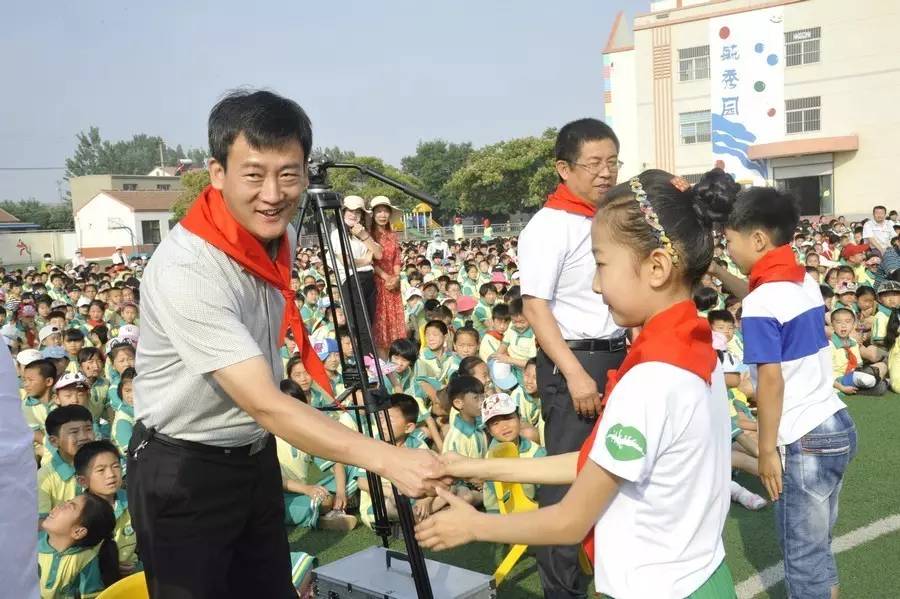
<point>579,342</point>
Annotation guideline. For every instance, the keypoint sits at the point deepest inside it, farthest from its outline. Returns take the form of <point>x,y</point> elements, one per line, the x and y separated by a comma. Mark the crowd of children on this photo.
<point>463,380</point>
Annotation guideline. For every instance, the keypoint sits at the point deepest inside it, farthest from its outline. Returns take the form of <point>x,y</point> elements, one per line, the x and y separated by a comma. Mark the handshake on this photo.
<point>421,472</point>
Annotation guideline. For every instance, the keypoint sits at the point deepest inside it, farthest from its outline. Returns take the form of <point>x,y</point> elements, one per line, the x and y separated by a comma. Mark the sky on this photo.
<point>375,77</point>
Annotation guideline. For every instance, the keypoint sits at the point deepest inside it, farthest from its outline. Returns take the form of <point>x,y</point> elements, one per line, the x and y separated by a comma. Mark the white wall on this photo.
<point>59,244</point>
<point>93,220</point>
<point>624,110</point>
<point>162,217</point>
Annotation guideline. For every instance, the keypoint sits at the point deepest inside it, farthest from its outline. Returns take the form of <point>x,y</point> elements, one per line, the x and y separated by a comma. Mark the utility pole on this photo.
<point>162,161</point>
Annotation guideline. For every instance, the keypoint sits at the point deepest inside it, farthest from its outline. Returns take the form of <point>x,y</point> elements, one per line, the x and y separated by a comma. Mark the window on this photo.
<point>802,46</point>
<point>693,63</point>
<point>129,186</point>
<point>803,114</point>
<point>695,127</point>
<point>162,187</point>
<point>150,231</point>
<point>693,178</point>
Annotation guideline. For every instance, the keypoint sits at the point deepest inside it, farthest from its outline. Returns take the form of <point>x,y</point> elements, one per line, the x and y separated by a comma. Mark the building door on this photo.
<point>806,191</point>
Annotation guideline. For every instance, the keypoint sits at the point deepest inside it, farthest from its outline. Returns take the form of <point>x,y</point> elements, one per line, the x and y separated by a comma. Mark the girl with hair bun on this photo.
<point>653,478</point>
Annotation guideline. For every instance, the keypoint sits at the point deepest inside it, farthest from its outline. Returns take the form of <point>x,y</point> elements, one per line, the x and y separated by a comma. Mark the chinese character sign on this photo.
<point>746,59</point>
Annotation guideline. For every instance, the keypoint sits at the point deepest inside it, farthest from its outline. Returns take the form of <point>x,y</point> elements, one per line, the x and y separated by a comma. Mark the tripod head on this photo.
<point>318,179</point>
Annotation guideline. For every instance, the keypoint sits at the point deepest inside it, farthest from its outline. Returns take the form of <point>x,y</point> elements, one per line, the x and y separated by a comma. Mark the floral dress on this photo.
<point>390,323</point>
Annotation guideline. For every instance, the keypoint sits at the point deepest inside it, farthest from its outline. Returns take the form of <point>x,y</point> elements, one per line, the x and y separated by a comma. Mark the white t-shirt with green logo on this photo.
<point>668,435</point>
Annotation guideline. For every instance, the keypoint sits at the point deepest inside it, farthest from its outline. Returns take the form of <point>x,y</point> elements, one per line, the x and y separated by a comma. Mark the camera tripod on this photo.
<point>323,207</point>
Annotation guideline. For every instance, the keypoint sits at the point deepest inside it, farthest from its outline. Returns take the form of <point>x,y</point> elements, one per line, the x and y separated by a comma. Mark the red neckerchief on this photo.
<point>210,220</point>
<point>675,336</point>
<point>779,264</point>
<point>496,335</point>
<point>563,199</point>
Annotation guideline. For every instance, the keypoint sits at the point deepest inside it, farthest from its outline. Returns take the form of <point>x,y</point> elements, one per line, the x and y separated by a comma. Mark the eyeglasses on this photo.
<point>595,168</point>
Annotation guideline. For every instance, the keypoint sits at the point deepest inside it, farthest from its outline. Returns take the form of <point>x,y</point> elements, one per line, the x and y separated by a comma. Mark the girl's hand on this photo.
<point>770,472</point>
<point>357,230</point>
<point>451,527</point>
<point>340,501</point>
<point>847,390</point>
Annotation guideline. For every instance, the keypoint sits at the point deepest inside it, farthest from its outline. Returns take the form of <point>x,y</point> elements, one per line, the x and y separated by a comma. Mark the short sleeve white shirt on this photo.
<point>556,264</point>
<point>668,435</point>
<point>358,248</point>
<point>883,232</point>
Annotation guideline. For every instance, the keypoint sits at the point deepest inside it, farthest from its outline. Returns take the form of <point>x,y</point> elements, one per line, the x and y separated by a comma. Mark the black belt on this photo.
<point>243,450</point>
<point>607,345</point>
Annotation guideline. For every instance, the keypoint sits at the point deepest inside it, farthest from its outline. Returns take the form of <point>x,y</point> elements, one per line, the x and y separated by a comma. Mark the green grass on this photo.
<point>871,492</point>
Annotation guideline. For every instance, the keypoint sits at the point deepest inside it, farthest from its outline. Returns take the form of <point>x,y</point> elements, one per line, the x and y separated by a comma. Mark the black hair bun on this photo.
<point>714,196</point>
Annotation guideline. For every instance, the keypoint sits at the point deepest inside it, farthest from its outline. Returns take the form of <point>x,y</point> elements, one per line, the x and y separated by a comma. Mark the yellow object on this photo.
<point>511,498</point>
<point>421,208</point>
<point>131,587</point>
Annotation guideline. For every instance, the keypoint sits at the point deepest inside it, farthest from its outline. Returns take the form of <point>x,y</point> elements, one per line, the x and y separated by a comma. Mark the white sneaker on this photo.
<point>864,380</point>
<point>747,498</point>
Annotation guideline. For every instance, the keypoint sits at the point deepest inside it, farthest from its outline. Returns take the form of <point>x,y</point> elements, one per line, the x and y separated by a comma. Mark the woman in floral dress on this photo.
<point>390,324</point>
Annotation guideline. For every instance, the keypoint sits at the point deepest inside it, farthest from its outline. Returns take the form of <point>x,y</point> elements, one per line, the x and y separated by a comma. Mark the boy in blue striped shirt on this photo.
<point>806,436</point>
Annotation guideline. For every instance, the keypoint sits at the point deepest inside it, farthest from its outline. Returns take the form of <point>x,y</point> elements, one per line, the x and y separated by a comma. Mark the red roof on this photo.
<point>6,217</point>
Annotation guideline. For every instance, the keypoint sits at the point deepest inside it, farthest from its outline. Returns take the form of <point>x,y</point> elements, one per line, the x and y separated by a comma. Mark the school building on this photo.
<point>798,94</point>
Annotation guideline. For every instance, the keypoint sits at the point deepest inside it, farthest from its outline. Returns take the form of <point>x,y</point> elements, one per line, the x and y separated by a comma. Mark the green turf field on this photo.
<point>871,492</point>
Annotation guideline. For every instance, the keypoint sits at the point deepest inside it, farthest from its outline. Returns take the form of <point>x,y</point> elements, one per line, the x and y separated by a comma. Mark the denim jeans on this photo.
<point>808,507</point>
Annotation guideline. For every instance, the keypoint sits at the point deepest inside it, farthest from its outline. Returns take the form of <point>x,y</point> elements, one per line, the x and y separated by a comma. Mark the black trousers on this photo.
<point>565,431</point>
<point>209,526</point>
<point>367,284</point>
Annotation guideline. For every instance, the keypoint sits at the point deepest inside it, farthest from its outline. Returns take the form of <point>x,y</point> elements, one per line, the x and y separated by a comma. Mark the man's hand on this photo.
<point>770,472</point>
<point>585,396</point>
<point>415,472</point>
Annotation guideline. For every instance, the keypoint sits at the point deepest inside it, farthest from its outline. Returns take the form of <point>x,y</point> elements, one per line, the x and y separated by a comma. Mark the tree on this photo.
<point>507,176</point>
<point>433,164</point>
<point>47,216</point>
<point>137,156</point>
<point>192,183</point>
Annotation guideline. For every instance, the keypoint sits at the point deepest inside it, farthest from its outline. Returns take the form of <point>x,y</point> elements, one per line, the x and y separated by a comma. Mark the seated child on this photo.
<point>518,344</point>
<point>888,300</point>
<point>73,343</point>
<point>296,372</point>
<point>123,421</point>
<point>310,312</point>
<point>845,297</point>
<point>850,373</point>
<point>465,342</point>
<point>121,357</point>
<point>69,428</point>
<point>503,422</point>
<point>98,468</point>
<point>528,399</point>
<point>308,492</point>
<point>435,360</point>
<point>76,554</point>
<point>38,378</point>
<point>404,354</point>
<point>722,321</point>
<point>401,416</point>
<point>465,436</point>
<point>706,299</point>
<point>482,315</point>
<point>492,339</point>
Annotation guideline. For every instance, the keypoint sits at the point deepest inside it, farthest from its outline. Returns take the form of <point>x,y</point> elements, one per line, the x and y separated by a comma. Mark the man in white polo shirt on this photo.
<point>878,231</point>
<point>579,342</point>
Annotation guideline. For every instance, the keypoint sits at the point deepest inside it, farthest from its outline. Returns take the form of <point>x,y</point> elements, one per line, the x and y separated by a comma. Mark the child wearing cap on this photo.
<point>98,470</point>
<point>465,307</point>
<point>887,300</point>
<point>482,315</point>
<point>401,416</point>
<point>854,255</point>
<point>851,374</point>
<point>413,309</point>
<point>49,336</point>
<point>502,419</point>
<point>845,297</point>
<point>38,378</point>
<point>519,343</point>
<point>68,428</point>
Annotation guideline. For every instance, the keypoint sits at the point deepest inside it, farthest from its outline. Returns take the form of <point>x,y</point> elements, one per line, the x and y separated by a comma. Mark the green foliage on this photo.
<point>192,184</point>
<point>433,164</point>
<point>507,176</point>
<point>48,216</point>
<point>352,182</point>
<point>137,156</point>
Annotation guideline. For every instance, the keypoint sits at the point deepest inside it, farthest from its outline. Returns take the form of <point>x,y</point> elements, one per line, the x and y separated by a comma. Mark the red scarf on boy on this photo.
<point>776,265</point>
<point>675,336</point>
<point>563,199</point>
<point>210,220</point>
